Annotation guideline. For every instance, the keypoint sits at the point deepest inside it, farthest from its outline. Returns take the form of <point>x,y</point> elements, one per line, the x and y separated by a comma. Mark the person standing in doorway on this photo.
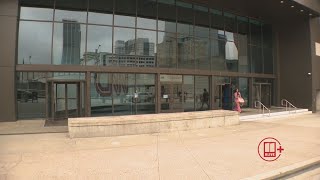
<point>205,98</point>
<point>237,96</point>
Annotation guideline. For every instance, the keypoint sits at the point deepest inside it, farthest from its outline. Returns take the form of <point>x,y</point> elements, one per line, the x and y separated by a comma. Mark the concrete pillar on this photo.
<point>8,36</point>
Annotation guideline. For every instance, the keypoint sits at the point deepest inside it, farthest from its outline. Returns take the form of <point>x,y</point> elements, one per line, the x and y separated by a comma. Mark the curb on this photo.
<point>287,170</point>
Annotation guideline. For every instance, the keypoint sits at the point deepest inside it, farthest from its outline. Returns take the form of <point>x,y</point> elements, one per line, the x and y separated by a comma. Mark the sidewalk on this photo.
<point>218,153</point>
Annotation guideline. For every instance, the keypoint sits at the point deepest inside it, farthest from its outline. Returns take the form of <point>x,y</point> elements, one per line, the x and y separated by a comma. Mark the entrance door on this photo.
<point>65,99</point>
<point>262,93</point>
<point>171,97</point>
<point>223,94</point>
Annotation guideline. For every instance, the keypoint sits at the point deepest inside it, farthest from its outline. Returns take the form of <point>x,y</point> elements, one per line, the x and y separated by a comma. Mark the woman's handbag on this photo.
<point>241,100</point>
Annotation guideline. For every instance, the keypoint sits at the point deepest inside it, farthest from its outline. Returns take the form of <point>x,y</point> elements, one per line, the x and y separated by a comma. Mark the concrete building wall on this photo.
<point>8,36</point>
<point>295,63</point>
<point>315,38</point>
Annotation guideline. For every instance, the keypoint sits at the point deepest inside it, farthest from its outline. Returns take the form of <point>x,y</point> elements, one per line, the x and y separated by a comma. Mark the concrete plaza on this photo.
<point>217,153</point>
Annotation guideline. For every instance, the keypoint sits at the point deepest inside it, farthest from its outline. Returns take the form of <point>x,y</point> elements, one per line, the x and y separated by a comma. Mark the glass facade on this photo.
<point>137,33</point>
<point>165,56</point>
<point>122,94</point>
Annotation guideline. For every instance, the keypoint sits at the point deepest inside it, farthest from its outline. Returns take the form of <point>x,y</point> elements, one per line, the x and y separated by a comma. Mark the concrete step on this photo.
<point>272,115</point>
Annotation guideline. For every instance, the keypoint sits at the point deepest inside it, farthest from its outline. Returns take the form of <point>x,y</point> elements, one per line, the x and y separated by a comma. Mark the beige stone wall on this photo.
<point>149,123</point>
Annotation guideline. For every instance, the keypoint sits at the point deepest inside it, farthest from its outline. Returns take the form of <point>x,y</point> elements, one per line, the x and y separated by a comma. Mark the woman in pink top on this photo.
<point>237,95</point>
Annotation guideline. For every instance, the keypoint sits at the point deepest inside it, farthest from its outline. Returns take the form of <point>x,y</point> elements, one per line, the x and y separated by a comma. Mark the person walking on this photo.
<point>205,98</point>
<point>237,99</point>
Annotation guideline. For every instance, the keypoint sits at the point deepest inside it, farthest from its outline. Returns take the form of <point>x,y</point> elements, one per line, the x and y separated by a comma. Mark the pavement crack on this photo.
<point>192,155</point>
<point>15,164</point>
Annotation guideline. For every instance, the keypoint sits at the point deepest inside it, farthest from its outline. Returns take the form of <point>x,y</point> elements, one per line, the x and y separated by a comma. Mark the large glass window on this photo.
<point>202,93</point>
<point>147,14</point>
<point>202,22</point>
<point>217,24</point>
<point>268,60</point>
<point>100,12</point>
<point>230,26</point>
<point>71,10</point>
<point>146,93</point>
<point>42,10</point>
<point>123,94</point>
<point>101,94</point>
<point>124,47</point>
<point>125,13</point>
<point>69,41</point>
<point>167,50</point>
<point>202,50</point>
<point>34,42</point>
<point>256,59</point>
<point>186,48</point>
<point>31,94</point>
<point>255,33</point>
<point>244,90</point>
<point>145,48</point>
<point>167,16</point>
<point>217,53</point>
<point>123,33</point>
<point>188,93</point>
<point>99,45</point>
<point>243,31</point>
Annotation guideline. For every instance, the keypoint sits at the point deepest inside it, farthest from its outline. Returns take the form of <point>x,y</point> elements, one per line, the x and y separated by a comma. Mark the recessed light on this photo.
<point>292,6</point>
<point>310,14</point>
<point>301,10</point>
<point>281,1</point>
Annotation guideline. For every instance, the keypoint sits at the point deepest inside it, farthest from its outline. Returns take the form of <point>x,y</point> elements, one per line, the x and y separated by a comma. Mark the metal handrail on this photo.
<point>286,103</point>
<point>264,107</point>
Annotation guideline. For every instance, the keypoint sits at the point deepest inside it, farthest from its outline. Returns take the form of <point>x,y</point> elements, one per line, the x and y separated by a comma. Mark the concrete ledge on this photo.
<point>287,171</point>
<point>149,123</point>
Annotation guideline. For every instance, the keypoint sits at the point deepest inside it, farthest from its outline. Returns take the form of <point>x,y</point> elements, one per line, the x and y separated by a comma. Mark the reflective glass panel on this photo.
<point>230,26</point>
<point>188,93</point>
<point>71,10</point>
<point>99,45</point>
<point>217,23</point>
<point>69,43</point>
<point>244,90</point>
<point>100,12</point>
<point>167,50</point>
<point>217,54</point>
<point>125,13</point>
<point>145,89</point>
<point>256,33</point>
<point>186,50</point>
<point>124,47</point>
<point>147,14</point>
<point>202,93</point>
<point>268,60</point>
<point>244,64</point>
<point>124,94</point>
<point>257,59</point>
<point>101,94</point>
<point>31,94</point>
<point>167,16</point>
<point>202,50</point>
<point>37,10</point>
<point>34,42</point>
<point>145,48</point>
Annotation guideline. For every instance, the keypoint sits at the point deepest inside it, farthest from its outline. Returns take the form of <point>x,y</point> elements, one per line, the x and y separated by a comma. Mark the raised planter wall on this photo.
<point>149,123</point>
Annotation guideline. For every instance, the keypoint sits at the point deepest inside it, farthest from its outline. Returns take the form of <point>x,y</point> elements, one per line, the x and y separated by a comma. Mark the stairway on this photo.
<point>273,114</point>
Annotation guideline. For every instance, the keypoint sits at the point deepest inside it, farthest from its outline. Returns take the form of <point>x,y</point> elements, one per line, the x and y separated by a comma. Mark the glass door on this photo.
<point>262,93</point>
<point>65,100</point>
